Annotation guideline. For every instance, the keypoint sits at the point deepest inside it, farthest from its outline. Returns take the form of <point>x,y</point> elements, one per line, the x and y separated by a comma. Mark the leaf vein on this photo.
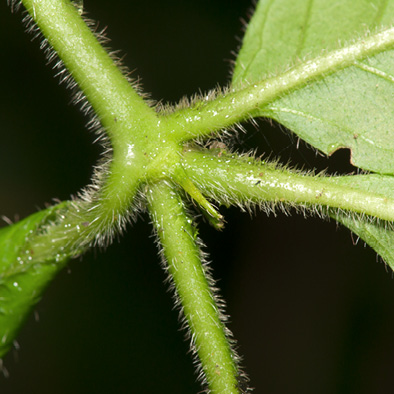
<point>305,26</point>
<point>380,12</point>
<point>374,71</point>
<point>343,128</point>
<point>260,38</point>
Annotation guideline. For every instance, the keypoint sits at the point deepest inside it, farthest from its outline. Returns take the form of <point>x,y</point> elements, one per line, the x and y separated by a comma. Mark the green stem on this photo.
<point>243,102</point>
<point>108,91</point>
<point>34,250</point>
<point>124,115</point>
<point>178,239</point>
<point>231,179</point>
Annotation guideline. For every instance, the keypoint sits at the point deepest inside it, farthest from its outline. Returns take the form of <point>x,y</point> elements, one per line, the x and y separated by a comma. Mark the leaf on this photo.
<point>378,234</point>
<point>349,107</point>
<point>21,281</point>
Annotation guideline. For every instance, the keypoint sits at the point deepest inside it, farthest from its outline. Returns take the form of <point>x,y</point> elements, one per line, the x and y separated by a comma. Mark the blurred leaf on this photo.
<point>22,281</point>
<point>378,234</point>
<point>348,108</point>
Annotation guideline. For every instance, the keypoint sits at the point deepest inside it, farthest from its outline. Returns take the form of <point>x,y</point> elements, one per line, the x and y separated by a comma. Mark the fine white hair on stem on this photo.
<point>89,197</point>
<point>218,306</point>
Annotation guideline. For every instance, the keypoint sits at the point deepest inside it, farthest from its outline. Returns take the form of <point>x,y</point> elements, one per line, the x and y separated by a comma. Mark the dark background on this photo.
<point>312,313</point>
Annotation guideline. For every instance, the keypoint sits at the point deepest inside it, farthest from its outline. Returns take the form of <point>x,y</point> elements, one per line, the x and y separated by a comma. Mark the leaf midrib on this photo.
<point>242,102</point>
<point>272,111</point>
<point>320,67</point>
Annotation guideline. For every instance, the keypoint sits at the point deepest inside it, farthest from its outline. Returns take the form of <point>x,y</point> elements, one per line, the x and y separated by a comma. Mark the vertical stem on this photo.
<point>122,112</point>
<point>178,239</point>
<point>113,99</point>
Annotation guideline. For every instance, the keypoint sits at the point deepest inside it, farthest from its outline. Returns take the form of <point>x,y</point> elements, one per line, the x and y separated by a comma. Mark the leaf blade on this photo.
<point>348,108</point>
<point>379,235</point>
<point>21,282</point>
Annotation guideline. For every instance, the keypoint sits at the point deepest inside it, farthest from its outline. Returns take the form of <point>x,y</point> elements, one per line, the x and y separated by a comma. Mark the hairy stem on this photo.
<point>245,101</point>
<point>108,91</point>
<point>238,180</point>
<point>178,239</point>
<point>124,117</point>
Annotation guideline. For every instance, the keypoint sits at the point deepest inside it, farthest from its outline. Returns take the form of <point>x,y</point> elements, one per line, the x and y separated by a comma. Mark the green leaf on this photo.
<point>378,234</point>
<point>22,281</point>
<point>345,107</point>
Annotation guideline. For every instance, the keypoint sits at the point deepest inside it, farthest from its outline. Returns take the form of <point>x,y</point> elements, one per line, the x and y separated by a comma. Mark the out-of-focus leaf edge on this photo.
<point>20,291</point>
<point>379,236</point>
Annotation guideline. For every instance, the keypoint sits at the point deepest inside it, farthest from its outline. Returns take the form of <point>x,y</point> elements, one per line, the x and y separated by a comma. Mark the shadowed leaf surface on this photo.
<point>378,234</point>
